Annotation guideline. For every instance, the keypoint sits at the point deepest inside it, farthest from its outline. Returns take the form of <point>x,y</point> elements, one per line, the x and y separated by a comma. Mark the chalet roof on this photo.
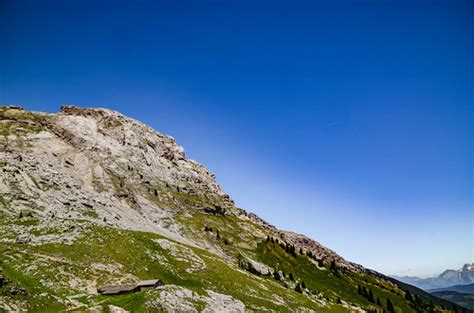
<point>149,283</point>
<point>117,289</point>
<point>120,289</point>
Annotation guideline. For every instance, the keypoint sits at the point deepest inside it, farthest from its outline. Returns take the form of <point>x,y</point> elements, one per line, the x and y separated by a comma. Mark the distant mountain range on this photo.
<point>469,289</point>
<point>448,278</point>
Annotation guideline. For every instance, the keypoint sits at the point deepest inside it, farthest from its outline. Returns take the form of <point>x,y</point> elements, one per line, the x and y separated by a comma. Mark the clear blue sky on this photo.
<point>349,121</point>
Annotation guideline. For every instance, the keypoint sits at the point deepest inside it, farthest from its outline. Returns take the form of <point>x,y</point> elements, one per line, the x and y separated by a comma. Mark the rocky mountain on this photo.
<point>462,276</point>
<point>89,197</point>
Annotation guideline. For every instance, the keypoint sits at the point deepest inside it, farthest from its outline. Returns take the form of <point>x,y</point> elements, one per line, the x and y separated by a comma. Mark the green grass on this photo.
<point>3,202</point>
<point>25,221</point>
<point>330,284</point>
<point>92,214</point>
<point>29,291</point>
<point>134,252</point>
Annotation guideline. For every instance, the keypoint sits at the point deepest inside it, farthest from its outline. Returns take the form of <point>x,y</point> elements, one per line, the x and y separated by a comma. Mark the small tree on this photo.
<point>408,296</point>
<point>293,251</point>
<point>390,307</point>
<point>218,236</point>
<point>291,277</point>
<point>276,275</point>
<point>370,297</point>
<point>303,285</point>
<point>301,251</point>
<point>298,288</point>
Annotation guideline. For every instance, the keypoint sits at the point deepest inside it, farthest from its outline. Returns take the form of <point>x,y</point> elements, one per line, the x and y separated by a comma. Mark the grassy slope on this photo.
<point>331,284</point>
<point>138,254</point>
<point>46,272</point>
<point>463,299</point>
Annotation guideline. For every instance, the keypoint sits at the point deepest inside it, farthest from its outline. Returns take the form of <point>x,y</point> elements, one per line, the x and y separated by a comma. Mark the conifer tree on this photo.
<point>293,251</point>
<point>371,296</point>
<point>298,288</point>
<point>408,296</point>
<point>390,307</point>
<point>276,275</point>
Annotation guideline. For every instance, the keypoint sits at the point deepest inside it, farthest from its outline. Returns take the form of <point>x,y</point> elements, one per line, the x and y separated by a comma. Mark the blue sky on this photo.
<point>349,121</point>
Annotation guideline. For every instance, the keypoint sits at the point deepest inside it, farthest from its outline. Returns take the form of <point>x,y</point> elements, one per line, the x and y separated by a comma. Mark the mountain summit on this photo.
<point>91,200</point>
<point>462,276</point>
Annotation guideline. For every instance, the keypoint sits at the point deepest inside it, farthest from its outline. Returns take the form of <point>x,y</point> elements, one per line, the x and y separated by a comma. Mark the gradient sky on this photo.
<point>349,121</point>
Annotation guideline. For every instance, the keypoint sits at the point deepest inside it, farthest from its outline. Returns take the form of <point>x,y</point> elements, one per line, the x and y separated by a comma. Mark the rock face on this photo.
<point>90,197</point>
<point>81,159</point>
<point>121,142</point>
<point>97,160</point>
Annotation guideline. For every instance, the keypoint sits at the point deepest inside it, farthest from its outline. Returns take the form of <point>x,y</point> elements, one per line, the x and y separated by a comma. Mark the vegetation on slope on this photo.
<point>213,251</point>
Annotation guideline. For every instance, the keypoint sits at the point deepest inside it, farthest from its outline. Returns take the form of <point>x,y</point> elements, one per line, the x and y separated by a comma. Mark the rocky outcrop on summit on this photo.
<point>119,141</point>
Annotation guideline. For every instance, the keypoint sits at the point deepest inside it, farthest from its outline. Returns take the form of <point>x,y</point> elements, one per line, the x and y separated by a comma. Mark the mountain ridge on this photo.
<point>77,184</point>
<point>450,277</point>
<point>469,289</point>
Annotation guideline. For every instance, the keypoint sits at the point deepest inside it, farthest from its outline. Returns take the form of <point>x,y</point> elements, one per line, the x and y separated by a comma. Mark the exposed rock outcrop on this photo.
<point>99,165</point>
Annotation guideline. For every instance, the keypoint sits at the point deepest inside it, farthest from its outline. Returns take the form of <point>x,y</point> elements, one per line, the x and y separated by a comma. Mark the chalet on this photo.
<point>123,289</point>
